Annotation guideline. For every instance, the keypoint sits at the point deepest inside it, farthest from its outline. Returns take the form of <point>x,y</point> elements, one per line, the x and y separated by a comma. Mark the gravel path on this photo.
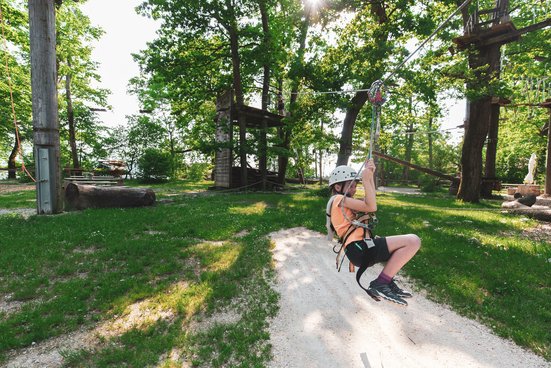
<point>326,320</point>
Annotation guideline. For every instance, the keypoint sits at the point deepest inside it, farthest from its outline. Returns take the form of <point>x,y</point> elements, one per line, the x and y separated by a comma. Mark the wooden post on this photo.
<point>44,106</point>
<point>547,190</point>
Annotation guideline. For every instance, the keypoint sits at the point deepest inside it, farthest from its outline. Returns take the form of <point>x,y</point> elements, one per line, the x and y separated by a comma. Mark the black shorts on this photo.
<point>358,253</point>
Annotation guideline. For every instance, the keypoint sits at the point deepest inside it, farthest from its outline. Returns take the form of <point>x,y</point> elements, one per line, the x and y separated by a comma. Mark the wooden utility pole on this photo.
<point>44,102</point>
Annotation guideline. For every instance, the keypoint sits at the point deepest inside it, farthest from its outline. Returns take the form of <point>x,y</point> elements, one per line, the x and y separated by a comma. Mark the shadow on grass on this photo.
<point>81,269</point>
<point>86,268</point>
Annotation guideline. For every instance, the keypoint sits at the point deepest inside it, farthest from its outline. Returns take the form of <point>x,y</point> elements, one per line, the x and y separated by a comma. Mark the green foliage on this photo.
<point>18,85</point>
<point>154,166</point>
<point>428,184</point>
<point>197,171</point>
<point>17,198</point>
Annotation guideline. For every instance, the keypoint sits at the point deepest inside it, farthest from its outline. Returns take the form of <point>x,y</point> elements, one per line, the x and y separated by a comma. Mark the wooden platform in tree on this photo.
<point>254,118</point>
<point>499,33</point>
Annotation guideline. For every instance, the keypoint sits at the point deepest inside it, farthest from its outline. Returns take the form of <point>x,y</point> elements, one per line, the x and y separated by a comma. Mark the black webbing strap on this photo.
<point>359,274</point>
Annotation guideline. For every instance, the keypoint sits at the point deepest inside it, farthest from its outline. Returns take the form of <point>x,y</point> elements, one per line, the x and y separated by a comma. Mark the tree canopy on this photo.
<point>309,61</point>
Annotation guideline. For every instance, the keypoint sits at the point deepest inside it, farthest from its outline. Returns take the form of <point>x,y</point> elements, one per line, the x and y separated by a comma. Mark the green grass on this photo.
<point>186,259</point>
<point>19,199</point>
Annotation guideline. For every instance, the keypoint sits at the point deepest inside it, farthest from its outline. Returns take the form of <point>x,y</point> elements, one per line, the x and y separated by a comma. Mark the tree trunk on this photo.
<point>12,167</point>
<point>485,65</point>
<point>345,150</point>
<point>71,119</point>
<point>263,146</point>
<point>430,143</point>
<point>79,196</point>
<point>547,190</point>
<point>491,152</point>
<point>409,142</point>
<point>471,153</point>
<point>295,83</point>
<point>321,157</point>
<point>360,98</point>
<point>239,99</point>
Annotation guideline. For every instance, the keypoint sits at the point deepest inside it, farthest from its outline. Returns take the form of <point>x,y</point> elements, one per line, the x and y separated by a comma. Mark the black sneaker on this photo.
<point>396,290</point>
<point>384,291</point>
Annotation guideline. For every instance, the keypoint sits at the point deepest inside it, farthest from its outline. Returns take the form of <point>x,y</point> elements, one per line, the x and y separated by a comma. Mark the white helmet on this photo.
<point>341,174</point>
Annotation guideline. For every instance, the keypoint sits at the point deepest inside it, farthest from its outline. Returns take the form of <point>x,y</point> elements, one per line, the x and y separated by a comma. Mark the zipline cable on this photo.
<point>399,66</point>
<point>465,3</point>
<point>10,86</point>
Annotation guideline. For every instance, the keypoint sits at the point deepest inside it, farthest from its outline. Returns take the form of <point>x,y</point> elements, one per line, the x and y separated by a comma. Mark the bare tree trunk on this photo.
<point>430,143</point>
<point>408,154</point>
<point>263,147</point>
<point>547,190</point>
<point>356,104</point>
<point>409,142</point>
<point>491,151</point>
<point>471,153</point>
<point>239,99</point>
<point>12,167</point>
<point>287,131</point>
<point>360,98</point>
<point>71,118</point>
<point>321,157</point>
<point>485,65</point>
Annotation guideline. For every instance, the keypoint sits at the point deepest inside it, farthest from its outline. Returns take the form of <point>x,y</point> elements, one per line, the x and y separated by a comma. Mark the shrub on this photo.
<point>428,184</point>
<point>155,166</point>
<point>197,171</point>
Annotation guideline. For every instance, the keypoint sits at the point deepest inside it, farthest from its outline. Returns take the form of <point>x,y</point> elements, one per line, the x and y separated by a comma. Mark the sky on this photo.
<point>125,33</point>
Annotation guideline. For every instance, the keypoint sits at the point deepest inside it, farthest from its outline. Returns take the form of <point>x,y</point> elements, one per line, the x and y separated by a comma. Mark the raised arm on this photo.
<point>369,202</point>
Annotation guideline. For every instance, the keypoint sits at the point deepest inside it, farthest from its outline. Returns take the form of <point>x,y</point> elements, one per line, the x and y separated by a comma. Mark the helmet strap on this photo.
<point>342,185</point>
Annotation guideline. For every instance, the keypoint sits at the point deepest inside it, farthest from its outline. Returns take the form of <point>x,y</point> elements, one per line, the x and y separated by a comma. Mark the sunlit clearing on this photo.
<point>254,209</point>
<point>226,259</point>
<point>139,315</point>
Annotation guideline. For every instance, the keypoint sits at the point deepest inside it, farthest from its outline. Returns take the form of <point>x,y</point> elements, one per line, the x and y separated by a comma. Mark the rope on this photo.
<point>18,139</point>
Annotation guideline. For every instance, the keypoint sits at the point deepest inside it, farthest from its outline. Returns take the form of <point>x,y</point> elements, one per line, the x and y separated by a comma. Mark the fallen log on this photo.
<point>80,196</point>
<point>541,213</point>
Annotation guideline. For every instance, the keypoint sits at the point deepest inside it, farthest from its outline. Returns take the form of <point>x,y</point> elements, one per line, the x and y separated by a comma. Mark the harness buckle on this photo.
<point>370,243</point>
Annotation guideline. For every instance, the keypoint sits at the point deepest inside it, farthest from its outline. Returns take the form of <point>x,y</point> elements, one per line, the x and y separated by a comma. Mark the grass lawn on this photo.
<point>197,269</point>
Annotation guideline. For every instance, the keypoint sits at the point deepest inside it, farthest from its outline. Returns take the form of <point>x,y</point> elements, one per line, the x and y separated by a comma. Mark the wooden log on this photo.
<point>80,196</point>
<point>538,214</point>
<point>542,213</point>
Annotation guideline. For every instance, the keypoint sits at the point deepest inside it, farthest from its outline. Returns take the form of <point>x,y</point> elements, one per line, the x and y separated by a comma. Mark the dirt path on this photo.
<point>326,320</point>
<point>16,187</point>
